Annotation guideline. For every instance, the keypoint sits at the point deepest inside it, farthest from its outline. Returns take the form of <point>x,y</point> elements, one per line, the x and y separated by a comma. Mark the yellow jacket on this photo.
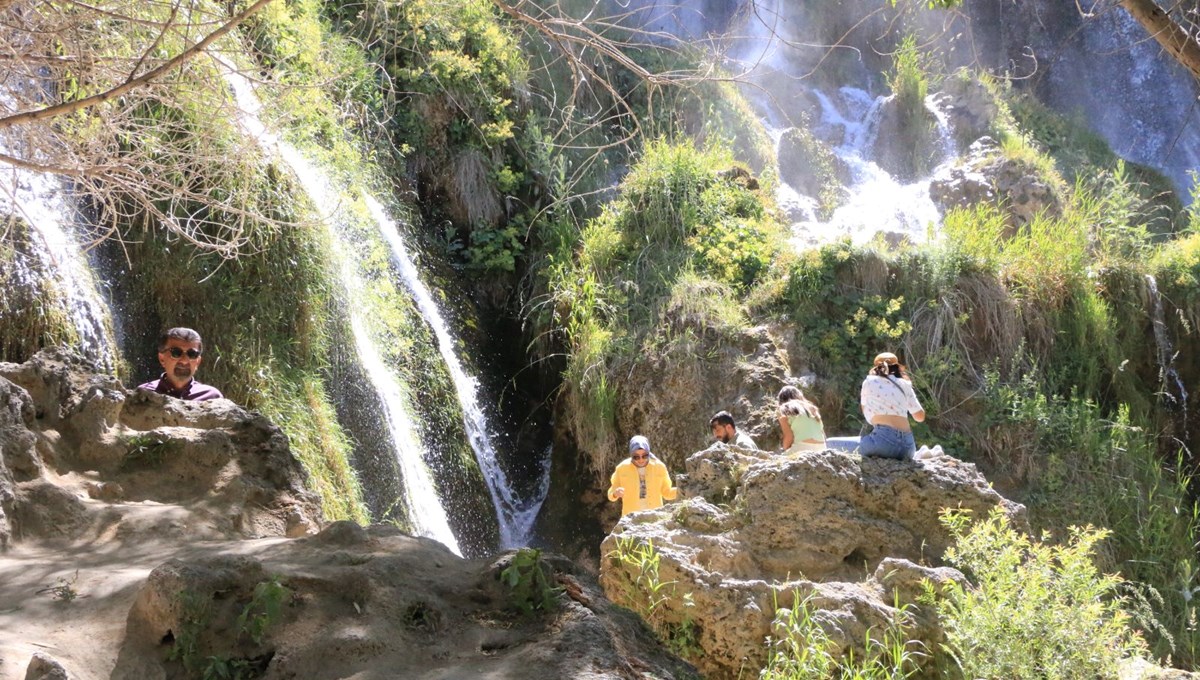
<point>658,486</point>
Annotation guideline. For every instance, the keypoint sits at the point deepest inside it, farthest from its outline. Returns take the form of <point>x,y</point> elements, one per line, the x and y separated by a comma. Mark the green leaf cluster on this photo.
<point>799,648</point>
<point>1034,610</point>
<point>529,585</point>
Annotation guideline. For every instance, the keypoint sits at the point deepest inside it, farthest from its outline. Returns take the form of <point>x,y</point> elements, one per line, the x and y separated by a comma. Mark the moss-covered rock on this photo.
<point>33,311</point>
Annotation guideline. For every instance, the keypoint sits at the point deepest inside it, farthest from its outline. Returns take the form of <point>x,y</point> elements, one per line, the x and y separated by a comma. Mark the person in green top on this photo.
<point>800,420</point>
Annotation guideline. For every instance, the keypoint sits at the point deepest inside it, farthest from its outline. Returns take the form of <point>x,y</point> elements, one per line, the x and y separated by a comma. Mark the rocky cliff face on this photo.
<point>759,531</point>
<point>147,537</point>
<point>88,459</point>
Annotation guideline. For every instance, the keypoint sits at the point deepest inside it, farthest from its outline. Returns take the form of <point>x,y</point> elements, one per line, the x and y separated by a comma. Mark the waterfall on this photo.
<point>876,202</point>
<point>515,515</point>
<point>944,129</point>
<point>1173,390</point>
<point>848,118</point>
<point>425,511</point>
<point>41,200</point>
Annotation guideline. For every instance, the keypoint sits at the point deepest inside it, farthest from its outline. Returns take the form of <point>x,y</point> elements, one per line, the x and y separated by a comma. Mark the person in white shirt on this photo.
<point>887,400</point>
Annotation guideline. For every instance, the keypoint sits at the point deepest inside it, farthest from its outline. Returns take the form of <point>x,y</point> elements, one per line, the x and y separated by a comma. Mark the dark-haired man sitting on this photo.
<point>725,430</point>
<point>179,352</point>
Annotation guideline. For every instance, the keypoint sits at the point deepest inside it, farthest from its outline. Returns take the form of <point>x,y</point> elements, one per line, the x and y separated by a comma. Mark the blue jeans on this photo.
<point>888,442</point>
<point>847,444</point>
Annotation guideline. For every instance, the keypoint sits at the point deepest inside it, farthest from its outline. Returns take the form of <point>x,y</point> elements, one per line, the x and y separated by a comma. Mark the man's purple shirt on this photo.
<point>193,391</point>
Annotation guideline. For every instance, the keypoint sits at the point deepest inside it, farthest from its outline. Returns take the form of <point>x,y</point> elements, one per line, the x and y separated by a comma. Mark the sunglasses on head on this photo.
<point>176,352</point>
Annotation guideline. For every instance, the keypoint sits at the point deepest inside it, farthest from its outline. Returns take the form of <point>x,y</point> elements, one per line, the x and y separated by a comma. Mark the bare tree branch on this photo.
<point>133,83</point>
<point>1181,45</point>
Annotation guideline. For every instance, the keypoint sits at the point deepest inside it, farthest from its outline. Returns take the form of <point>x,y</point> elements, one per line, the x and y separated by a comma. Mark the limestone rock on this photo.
<point>987,175</point>
<point>854,536</point>
<point>753,370</point>
<point>45,667</point>
<point>358,602</point>
<point>80,454</point>
<point>905,143</point>
<point>969,107</point>
<point>809,166</point>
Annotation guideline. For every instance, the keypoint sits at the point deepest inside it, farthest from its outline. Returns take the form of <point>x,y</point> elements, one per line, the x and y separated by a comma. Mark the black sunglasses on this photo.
<point>640,457</point>
<point>176,352</point>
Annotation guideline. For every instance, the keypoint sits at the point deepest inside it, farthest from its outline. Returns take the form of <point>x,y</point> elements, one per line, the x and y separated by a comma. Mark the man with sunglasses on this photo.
<point>641,481</point>
<point>180,351</point>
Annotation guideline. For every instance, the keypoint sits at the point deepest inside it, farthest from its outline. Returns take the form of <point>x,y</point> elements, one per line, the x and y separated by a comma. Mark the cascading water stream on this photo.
<point>40,199</point>
<point>1173,387</point>
<point>425,510</point>
<point>875,201</point>
<point>515,515</point>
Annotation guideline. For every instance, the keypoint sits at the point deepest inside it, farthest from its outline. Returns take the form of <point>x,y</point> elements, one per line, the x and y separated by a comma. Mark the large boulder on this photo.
<point>674,414</point>
<point>809,166</point>
<point>354,602</point>
<point>907,141</point>
<point>987,175</point>
<point>969,106</point>
<point>853,537</point>
<point>81,456</point>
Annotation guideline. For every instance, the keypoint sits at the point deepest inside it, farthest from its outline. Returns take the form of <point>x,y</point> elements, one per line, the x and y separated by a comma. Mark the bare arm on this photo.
<point>788,437</point>
<point>919,416</point>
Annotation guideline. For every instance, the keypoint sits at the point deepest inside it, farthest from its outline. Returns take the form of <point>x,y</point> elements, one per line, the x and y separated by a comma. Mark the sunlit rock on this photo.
<point>856,535</point>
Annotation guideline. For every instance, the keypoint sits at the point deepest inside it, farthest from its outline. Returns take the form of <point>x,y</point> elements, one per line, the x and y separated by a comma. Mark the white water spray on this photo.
<point>41,200</point>
<point>876,201</point>
<point>515,515</point>
<point>425,510</point>
<point>1168,376</point>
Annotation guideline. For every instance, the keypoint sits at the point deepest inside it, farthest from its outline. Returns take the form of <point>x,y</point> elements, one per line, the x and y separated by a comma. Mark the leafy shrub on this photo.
<point>528,583</point>
<point>800,649</point>
<point>1034,610</point>
<point>649,596</point>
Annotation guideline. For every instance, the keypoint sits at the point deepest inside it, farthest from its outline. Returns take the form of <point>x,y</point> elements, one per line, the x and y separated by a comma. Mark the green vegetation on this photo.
<point>1031,347</point>
<point>147,449</point>
<point>1036,611</point>
<point>63,590</point>
<point>668,259</point>
<point>909,82</point>
<point>528,582</point>
<point>195,637</point>
<point>1067,152</point>
<point>800,649</point>
<point>658,602</point>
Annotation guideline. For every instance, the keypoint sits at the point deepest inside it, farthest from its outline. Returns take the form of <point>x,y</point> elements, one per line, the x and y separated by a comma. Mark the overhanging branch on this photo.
<point>132,83</point>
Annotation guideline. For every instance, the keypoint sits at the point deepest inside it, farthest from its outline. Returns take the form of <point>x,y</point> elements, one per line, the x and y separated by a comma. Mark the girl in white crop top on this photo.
<point>889,396</point>
<point>887,400</point>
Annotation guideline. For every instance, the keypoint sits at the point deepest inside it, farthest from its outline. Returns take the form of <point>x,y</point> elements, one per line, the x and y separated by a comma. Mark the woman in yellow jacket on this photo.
<point>641,481</point>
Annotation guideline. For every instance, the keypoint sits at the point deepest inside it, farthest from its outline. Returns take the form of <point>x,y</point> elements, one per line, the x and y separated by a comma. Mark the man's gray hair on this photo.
<point>184,334</point>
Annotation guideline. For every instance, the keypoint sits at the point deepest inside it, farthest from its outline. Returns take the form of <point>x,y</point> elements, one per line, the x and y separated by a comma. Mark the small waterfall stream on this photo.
<point>875,200</point>
<point>515,515</point>
<point>425,510</point>
<point>1173,390</point>
<point>42,201</point>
